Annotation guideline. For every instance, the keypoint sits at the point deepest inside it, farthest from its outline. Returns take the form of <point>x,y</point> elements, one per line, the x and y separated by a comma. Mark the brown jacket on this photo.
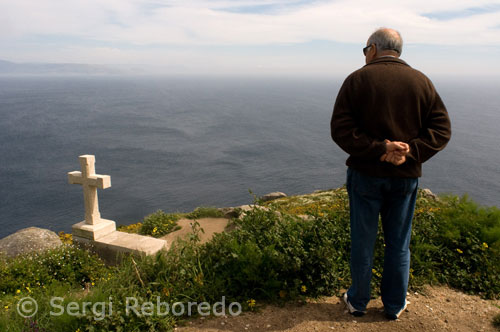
<point>387,99</point>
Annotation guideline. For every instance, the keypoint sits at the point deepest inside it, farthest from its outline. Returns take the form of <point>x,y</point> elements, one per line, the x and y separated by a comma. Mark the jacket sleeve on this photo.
<point>345,130</point>
<point>435,133</point>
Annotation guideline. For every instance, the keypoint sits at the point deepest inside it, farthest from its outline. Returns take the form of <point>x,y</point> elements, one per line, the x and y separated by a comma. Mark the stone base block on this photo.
<point>94,232</point>
<point>116,244</point>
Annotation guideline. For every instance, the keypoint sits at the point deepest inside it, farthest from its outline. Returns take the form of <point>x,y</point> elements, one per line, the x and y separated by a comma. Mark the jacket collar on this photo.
<point>387,60</point>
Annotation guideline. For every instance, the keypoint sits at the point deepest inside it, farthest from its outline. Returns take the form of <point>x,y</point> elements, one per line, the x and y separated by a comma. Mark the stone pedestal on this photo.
<point>94,232</point>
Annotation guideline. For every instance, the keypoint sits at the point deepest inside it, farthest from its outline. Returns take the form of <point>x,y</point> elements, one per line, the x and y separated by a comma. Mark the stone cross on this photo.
<point>90,182</point>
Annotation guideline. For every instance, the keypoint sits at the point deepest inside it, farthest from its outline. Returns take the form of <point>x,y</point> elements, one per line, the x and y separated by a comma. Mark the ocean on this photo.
<point>175,143</point>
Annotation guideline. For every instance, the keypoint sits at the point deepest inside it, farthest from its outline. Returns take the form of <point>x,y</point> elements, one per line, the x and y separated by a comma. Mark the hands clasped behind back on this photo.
<point>395,152</point>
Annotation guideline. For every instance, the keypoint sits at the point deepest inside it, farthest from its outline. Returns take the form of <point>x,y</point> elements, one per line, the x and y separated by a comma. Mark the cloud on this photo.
<point>280,36</point>
<point>220,22</point>
<point>468,12</point>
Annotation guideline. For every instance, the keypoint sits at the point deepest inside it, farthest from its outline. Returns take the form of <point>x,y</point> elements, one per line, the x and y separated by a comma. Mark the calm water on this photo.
<point>178,143</point>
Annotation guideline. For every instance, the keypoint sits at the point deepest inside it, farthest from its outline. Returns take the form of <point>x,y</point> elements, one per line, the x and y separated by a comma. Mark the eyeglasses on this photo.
<point>365,49</point>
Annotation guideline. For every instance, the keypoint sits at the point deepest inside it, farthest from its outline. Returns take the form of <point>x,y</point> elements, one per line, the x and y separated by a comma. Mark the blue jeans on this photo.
<point>394,200</point>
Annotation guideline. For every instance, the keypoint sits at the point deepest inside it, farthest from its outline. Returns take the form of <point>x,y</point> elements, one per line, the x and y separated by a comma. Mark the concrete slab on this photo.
<point>135,243</point>
<point>116,244</point>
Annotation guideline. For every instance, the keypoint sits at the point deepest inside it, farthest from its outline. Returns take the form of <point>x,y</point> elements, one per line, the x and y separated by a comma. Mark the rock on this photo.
<point>305,217</point>
<point>427,193</point>
<point>245,208</point>
<point>32,239</point>
<point>230,212</point>
<point>319,191</point>
<point>272,196</point>
<point>239,212</point>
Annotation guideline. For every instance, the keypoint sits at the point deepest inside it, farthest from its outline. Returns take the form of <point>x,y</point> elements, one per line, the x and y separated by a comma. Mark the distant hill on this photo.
<point>12,68</point>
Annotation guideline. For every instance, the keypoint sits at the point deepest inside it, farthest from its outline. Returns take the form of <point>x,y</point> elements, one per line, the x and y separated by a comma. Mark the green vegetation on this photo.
<point>62,272</point>
<point>496,322</point>
<point>159,223</point>
<point>65,265</point>
<point>205,212</point>
<point>298,247</point>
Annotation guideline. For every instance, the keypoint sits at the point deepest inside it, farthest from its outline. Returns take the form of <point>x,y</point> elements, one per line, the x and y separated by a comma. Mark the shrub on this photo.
<point>273,258</point>
<point>65,265</point>
<point>159,223</point>
<point>65,238</point>
<point>205,212</point>
<point>133,228</point>
<point>496,321</point>
<point>469,250</point>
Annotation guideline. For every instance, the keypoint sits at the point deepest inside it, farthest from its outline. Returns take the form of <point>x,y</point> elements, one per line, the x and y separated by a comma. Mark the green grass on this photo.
<point>267,258</point>
<point>205,212</point>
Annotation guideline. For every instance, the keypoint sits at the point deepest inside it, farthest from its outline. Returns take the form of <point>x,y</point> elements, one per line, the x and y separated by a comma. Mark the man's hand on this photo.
<point>396,152</point>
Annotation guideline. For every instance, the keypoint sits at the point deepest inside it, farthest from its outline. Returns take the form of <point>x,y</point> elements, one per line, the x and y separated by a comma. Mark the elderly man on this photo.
<point>389,118</point>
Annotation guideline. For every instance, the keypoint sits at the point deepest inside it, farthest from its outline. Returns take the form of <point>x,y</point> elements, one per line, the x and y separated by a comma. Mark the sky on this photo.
<point>251,37</point>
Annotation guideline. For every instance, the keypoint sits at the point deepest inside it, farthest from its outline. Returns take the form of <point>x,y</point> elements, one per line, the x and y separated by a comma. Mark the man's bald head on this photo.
<point>387,40</point>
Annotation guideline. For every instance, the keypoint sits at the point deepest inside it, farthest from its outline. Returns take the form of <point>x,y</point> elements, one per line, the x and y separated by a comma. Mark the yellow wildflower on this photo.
<point>460,251</point>
<point>155,230</point>
<point>303,288</point>
<point>18,291</point>
<point>199,279</point>
<point>251,303</point>
<point>485,245</point>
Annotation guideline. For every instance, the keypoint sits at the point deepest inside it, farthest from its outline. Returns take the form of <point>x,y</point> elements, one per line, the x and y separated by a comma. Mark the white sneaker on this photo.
<point>397,314</point>
<point>353,311</point>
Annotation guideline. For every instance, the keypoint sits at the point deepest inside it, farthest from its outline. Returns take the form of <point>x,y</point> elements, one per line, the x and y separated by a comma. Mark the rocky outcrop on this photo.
<point>240,211</point>
<point>272,196</point>
<point>32,239</point>
<point>427,193</point>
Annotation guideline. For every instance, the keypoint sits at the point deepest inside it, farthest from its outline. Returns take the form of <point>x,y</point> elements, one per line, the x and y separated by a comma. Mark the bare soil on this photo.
<point>210,226</point>
<point>434,309</point>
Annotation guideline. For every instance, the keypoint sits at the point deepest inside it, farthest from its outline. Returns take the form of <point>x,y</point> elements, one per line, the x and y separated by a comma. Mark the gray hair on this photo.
<point>387,40</point>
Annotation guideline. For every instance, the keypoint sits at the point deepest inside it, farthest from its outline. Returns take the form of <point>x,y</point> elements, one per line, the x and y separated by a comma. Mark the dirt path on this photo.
<point>440,309</point>
<point>210,226</point>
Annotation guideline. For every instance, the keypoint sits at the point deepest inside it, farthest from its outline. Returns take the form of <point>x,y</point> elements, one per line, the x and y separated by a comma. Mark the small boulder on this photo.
<point>238,212</point>
<point>31,239</point>
<point>248,208</point>
<point>230,212</point>
<point>427,193</point>
<point>272,196</point>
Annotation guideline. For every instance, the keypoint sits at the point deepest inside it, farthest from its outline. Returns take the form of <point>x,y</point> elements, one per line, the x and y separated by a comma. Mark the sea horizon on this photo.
<point>175,143</point>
